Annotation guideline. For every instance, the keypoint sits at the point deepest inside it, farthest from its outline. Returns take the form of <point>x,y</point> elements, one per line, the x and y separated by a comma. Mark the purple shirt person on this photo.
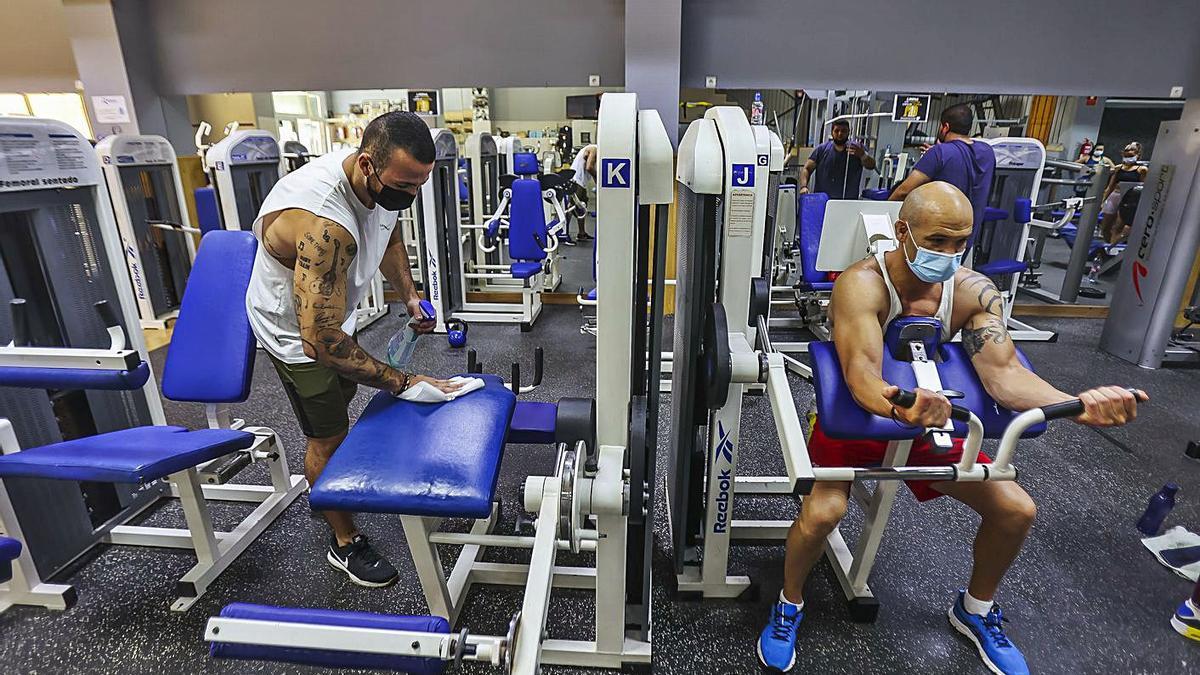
<point>836,165</point>
<point>956,159</point>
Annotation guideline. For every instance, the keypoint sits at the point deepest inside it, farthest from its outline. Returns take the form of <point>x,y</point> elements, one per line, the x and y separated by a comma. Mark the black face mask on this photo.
<point>388,197</point>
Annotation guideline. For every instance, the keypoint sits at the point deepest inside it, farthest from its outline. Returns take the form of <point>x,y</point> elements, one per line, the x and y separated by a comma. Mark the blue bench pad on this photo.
<point>137,455</point>
<point>331,658</point>
<point>533,422</point>
<point>1002,266</point>
<point>9,550</point>
<point>421,459</point>
<point>841,416</point>
<point>74,378</point>
<point>525,270</point>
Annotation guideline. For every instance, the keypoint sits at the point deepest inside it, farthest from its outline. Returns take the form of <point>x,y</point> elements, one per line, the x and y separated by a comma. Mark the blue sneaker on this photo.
<point>987,632</point>
<point>1186,621</point>
<point>777,643</point>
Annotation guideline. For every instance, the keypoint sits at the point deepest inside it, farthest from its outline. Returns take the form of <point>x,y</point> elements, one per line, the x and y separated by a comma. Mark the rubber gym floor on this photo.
<point>1083,597</point>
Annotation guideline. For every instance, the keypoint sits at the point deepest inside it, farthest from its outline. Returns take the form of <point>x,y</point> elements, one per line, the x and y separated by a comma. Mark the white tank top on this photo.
<point>945,307</point>
<point>322,188</point>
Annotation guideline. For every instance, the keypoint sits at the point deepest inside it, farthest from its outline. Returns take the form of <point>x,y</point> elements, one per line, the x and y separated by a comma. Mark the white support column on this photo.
<point>101,63</point>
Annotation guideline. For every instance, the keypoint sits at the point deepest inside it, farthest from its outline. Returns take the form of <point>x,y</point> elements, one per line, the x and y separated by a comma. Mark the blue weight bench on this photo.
<point>210,360</point>
<point>840,417</point>
<point>9,550</point>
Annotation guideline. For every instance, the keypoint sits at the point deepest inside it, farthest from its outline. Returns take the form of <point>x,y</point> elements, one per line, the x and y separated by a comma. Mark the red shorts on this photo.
<point>833,452</point>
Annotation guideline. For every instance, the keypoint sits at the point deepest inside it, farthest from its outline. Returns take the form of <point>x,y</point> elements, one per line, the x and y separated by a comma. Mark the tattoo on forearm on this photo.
<point>344,355</point>
<point>974,339</point>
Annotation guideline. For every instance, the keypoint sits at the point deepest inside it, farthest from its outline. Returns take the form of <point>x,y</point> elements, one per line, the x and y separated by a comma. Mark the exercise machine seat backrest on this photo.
<point>841,416</point>
<point>810,215</point>
<point>421,459</point>
<point>208,213</point>
<point>211,355</point>
<point>527,226</point>
<point>328,658</point>
<point>9,550</point>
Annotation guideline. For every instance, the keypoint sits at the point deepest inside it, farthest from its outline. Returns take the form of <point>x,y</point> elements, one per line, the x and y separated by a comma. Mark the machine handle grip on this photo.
<point>1074,407</point>
<point>107,315</point>
<point>907,399</point>
<point>538,355</point>
<point>20,320</point>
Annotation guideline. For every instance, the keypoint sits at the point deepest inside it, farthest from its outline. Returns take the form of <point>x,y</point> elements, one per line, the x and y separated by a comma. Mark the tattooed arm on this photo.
<point>324,251</point>
<point>992,352</point>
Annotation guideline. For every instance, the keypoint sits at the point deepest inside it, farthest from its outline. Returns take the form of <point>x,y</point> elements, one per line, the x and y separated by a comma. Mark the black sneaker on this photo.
<point>361,563</point>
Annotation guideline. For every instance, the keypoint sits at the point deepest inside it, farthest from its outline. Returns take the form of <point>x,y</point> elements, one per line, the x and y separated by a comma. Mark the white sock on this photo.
<point>783,599</point>
<point>973,606</point>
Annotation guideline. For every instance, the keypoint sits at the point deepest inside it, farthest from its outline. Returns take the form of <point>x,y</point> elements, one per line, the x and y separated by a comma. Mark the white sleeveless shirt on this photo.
<point>945,307</point>
<point>322,188</point>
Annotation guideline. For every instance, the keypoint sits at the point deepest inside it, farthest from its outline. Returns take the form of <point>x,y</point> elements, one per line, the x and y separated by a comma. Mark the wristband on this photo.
<point>404,385</point>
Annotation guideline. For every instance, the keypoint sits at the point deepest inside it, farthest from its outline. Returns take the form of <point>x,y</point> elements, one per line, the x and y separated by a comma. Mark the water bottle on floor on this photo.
<point>402,345</point>
<point>1156,511</point>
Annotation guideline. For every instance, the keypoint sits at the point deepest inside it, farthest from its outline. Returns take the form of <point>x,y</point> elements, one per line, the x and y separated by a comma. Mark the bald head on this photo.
<point>938,216</point>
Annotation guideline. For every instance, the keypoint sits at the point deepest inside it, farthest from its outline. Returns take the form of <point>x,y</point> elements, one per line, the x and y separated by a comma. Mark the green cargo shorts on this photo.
<point>320,397</point>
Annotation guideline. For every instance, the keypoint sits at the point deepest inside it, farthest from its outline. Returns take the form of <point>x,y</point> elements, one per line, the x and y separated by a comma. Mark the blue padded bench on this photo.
<point>75,378</point>
<point>9,550</point>
<point>331,658</point>
<point>841,416</point>
<point>450,471</point>
<point>810,218</point>
<point>533,422</point>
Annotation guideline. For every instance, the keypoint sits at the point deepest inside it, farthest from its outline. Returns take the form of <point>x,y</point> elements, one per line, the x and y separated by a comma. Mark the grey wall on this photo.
<point>272,45</point>
<point>652,53</point>
<point>533,104</point>
<point>1020,47</point>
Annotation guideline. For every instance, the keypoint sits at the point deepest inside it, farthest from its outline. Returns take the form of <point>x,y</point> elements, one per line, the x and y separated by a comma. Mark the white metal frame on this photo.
<point>131,150</point>
<point>239,148</point>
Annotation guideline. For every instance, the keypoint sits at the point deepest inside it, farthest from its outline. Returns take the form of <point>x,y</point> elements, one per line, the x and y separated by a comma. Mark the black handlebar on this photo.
<point>907,399</point>
<point>106,314</point>
<point>1074,407</point>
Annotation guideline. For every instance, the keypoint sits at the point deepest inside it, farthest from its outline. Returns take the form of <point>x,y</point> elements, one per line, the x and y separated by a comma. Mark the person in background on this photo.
<point>1093,157</point>
<point>956,159</point>
<point>584,166</point>
<point>838,164</point>
<point>1113,228</point>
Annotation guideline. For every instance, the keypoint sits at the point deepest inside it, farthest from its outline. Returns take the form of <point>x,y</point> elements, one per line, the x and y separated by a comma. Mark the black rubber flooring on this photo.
<point>1084,597</point>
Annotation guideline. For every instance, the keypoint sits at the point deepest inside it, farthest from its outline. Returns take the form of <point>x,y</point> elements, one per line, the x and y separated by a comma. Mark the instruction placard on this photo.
<point>111,109</point>
<point>740,222</point>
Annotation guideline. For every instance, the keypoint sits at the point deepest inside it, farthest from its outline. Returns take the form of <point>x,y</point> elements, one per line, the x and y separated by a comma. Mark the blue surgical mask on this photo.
<point>932,267</point>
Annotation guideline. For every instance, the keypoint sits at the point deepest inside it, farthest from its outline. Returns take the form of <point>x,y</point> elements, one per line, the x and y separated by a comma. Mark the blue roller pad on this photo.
<point>211,356</point>
<point>993,268</point>
<point>526,221</point>
<point>74,378</point>
<point>525,270</point>
<point>330,658</point>
<point>878,194</point>
<point>137,455</point>
<point>9,550</point>
<point>841,416</point>
<point>810,217</point>
<point>1023,210</point>
<point>421,459</point>
<point>991,213</point>
<point>533,422</point>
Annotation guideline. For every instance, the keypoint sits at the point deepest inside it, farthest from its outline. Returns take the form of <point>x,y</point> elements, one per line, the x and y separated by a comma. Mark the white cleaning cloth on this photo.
<point>1178,549</point>
<point>424,392</point>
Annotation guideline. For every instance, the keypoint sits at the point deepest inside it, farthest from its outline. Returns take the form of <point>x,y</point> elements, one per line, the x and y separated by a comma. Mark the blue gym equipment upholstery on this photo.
<point>1001,267</point>
<point>1022,210</point>
<point>208,213</point>
<point>75,378</point>
<point>878,194</point>
<point>525,164</point>
<point>526,221</point>
<point>532,422</point>
<point>423,459</point>
<point>991,213</point>
<point>9,550</point>
<point>525,270</point>
<point>137,455</point>
<point>331,658</point>
<point>211,356</point>
<point>841,416</point>
<point>810,215</point>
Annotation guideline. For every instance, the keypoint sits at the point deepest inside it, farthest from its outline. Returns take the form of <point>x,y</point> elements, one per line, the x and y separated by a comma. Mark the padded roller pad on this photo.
<point>532,422</point>
<point>137,455</point>
<point>525,270</point>
<point>841,416</point>
<point>819,286</point>
<point>75,378</point>
<point>991,213</point>
<point>9,550</point>
<point>421,459</point>
<point>326,657</point>
<point>1003,266</point>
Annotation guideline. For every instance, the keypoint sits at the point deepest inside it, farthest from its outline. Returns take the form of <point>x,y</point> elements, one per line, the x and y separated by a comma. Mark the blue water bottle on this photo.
<point>1156,511</point>
<point>402,345</point>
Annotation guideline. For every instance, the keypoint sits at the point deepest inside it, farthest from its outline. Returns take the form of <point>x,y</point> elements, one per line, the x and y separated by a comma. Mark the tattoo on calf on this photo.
<point>974,339</point>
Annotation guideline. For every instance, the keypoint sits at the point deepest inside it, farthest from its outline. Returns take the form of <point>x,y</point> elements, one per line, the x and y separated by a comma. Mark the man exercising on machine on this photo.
<point>922,277</point>
<point>326,229</point>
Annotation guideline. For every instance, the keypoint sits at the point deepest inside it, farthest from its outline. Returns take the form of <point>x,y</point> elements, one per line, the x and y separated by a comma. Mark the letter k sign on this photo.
<point>614,173</point>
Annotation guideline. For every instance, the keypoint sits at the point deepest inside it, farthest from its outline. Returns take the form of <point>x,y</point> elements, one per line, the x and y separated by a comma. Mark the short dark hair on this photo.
<point>960,118</point>
<point>841,123</point>
<point>398,129</point>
